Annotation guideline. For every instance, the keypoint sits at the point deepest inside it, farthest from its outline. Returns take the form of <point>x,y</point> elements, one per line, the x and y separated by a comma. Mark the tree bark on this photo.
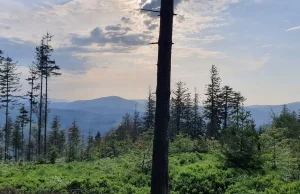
<point>30,122</point>
<point>160,162</point>
<point>40,117</point>
<point>6,123</point>
<point>46,113</point>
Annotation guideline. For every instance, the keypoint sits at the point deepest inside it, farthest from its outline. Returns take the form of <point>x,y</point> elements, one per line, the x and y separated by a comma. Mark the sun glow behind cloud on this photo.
<point>111,38</point>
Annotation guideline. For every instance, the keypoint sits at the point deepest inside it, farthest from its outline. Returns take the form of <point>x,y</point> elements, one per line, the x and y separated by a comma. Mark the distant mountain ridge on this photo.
<point>105,113</point>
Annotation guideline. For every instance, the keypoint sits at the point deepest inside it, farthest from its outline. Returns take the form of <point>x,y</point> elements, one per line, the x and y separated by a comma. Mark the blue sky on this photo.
<point>102,45</point>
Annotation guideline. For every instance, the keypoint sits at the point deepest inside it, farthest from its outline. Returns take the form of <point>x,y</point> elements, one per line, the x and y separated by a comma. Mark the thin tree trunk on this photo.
<point>226,110</point>
<point>6,134</point>
<point>6,122</point>
<point>274,154</point>
<point>46,114</point>
<point>30,122</point>
<point>16,154</point>
<point>160,162</point>
<point>40,117</point>
<point>22,156</point>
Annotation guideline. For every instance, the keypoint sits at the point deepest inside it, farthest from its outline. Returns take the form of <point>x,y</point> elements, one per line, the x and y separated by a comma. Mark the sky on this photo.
<point>102,46</point>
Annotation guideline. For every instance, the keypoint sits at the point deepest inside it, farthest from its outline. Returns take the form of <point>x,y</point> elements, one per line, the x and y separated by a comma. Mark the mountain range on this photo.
<point>102,114</point>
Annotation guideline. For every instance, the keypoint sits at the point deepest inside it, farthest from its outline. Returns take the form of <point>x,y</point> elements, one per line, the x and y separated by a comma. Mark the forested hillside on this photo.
<point>178,141</point>
<point>217,150</point>
<point>241,161</point>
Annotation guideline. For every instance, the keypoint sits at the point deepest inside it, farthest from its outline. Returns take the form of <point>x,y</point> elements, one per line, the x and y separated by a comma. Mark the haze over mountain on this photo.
<point>105,113</point>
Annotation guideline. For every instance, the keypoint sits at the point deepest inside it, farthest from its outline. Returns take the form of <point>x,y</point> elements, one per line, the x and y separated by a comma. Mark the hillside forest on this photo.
<point>215,150</point>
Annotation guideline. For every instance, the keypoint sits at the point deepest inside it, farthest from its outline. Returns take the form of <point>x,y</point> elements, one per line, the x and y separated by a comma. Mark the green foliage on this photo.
<point>190,172</point>
<point>73,142</point>
<point>182,144</point>
<point>213,104</point>
<point>268,184</point>
<point>149,116</point>
<point>288,120</point>
<point>240,143</point>
<point>53,155</point>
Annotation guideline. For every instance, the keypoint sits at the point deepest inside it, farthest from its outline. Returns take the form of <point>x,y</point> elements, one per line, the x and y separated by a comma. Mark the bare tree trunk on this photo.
<point>6,124</point>
<point>6,134</point>
<point>40,118</point>
<point>22,149</point>
<point>160,162</point>
<point>30,123</point>
<point>46,113</point>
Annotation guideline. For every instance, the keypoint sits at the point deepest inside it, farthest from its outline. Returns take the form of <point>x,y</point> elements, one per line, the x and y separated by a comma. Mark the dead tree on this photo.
<point>160,161</point>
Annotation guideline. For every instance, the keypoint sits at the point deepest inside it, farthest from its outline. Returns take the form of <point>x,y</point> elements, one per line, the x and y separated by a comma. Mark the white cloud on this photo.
<point>80,17</point>
<point>293,28</point>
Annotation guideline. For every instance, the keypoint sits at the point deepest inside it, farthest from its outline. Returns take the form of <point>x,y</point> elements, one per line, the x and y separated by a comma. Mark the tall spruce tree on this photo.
<point>226,95</point>
<point>212,104</point>
<point>90,144</point>
<point>9,88</point>
<point>57,137</point>
<point>178,101</point>
<point>197,120</point>
<point>54,136</point>
<point>40,63</point>
<point>137,124</point>
<point>49,69</point>
<point>23,119</point>
<point>32,95</point>
<point>187,115</point>
<point>73,142</point>
<point>149,116</point>
<point>237,103</point>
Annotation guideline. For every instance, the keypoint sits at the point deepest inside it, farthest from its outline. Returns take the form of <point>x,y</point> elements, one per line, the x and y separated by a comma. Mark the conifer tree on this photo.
<point>61,142</point>
<point>49,69</point>
<point>16,140</point>
<point>98,138</point>
<point>212,104</point>
<point>40,70</point>
<point>22,119</point>
<point>57,137</point>
<point>197,121</point>
<point>149,116</point>
<point>288,120</point>
<point>240,142</point>
<point>187,115</point>
<point>54,136</point>
<point>9,88</point>
<point>125,128</point>
<point>137,124</point>
<point>90,144</point>
<point>180,94</point>
<point>33,77</point>
<point>8,129</point>
<point>227,100</point>
<point>73,142</point>
<point>237,103</point>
